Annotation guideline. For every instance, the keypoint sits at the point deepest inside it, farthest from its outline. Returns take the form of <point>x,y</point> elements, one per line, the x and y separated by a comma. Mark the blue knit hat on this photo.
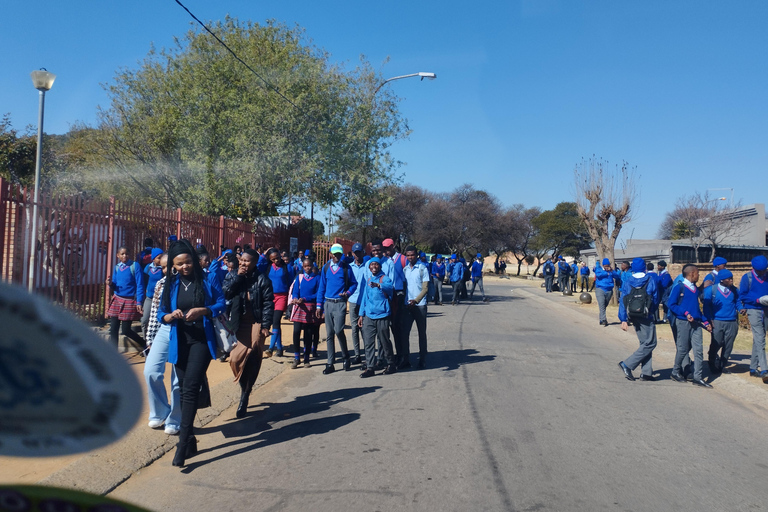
<point>439,256</point>
<point>453,256</point>
<point>638,265</point>
<point>724,274</point>
<point>375,259</point>
<point>156,252</point>
<point>719,261</point>
<point>479,255</point>
<point>606,261</point>
<point>759,263</point>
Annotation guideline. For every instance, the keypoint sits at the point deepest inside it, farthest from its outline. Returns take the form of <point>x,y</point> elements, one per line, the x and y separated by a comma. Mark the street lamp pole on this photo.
<point>43,81</point>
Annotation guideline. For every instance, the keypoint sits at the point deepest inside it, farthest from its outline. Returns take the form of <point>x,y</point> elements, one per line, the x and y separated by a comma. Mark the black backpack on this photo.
<point>638,303</point>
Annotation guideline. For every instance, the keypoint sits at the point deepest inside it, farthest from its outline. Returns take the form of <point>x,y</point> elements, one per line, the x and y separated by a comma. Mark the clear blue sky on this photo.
<point>525,88</point>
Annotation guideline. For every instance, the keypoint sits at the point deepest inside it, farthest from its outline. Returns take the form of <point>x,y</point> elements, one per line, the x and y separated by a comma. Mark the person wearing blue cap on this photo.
<point>689,322</point>
<point>337,283</point>
<point>605,278</point>
<point>375,296</point>
<point>718,264</point>
<point>584,276</point>
<point>456,274</point>
<point>477,277</point>
<point>357,266</point>
<point>153,272</point>
<point>753,285</point>
<point>438,274</point>
<point>721,308</point>
<point>549,274</point>
<point>563,273</point>
<point>640,298</point>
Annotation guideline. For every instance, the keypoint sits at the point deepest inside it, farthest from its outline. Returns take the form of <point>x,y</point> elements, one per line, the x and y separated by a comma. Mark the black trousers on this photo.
<point>311,335</point>
<point>114,327</point>
<point>191,367</point>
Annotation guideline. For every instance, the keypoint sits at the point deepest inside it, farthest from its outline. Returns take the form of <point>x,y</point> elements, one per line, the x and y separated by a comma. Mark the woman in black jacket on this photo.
<point>254,290</point>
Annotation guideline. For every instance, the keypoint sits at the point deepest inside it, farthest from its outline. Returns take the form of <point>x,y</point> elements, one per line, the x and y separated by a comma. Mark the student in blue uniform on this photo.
<point>584,276</point>
<point>126,305</point>
<point>549,274</point>
<point>665,285</point>
<point>438,274</point>
<point>642,319</point>
<point>416,287</point>
<point>713,277</point>
<point>337,283</point>
<point>375,295</point>
<point>574,275</point>
<point>281,276</point>
<point>304,298</point>
<point>754,284</point>
<point>456,275</point>
<point>605,278</point>
<point>357,266</point>
<point>563,273</point>
<point>684,304</point>
<point>721,308</point>
<point>477,276</point>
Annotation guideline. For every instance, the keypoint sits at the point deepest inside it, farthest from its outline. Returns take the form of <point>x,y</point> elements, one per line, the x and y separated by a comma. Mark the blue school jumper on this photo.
<point>720,303</point>
<point>152,275</point>
<point>127,283</point>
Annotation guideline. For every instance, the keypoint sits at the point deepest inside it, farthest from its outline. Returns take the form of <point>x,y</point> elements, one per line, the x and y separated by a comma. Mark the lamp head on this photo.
<point>424,75</point>
<point>42,79</point>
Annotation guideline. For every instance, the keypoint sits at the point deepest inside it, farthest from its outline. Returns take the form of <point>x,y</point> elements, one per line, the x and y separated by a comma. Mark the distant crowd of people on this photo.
<point>648,297</point>
<point>190,305</point>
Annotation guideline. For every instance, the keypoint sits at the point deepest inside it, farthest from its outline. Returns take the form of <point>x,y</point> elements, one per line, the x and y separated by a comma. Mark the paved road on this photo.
<point>522,408</point>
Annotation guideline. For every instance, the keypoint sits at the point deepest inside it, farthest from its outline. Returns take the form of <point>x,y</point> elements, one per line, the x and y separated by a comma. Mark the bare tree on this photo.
<point>524,233</point>
<point>702,220</point>
<point>605,200</point>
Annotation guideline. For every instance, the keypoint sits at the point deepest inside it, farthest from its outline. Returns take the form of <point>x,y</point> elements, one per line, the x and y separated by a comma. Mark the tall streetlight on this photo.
<point>43,81</point>
<point>421,75</point>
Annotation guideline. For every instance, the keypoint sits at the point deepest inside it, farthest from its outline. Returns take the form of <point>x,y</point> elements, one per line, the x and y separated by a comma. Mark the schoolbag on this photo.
<point>638,302</point>
<point>132,266</point>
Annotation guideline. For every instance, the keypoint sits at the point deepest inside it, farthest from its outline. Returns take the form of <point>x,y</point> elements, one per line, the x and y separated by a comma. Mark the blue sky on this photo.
<point>525,88</point>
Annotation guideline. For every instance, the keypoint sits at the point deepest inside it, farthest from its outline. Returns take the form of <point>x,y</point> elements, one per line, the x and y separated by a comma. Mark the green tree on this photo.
<point>561,230</point>
<point>192,127</point>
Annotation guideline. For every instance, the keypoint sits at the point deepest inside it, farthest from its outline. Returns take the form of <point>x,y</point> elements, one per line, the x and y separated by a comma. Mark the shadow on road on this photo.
<point>453,359</point>
<point>265,423</point>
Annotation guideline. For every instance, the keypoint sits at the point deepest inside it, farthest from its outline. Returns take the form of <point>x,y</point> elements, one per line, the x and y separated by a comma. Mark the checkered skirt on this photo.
<point>123,308</point>
<point>305,313</point>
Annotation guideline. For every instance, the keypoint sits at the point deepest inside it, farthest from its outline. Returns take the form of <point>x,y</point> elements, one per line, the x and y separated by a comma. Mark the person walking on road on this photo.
<point>605,278</point>
<point>584,276</point>
<point>374,318</point>
<point>753,285</point>
<point>640,300</point>
<point>337,283</point>
<point>684,304</point>
<point>721,308</point>
<point>549,274</point>
<point>456,275</point>
<point>477,276</point>
<point>416,287</point>
<point>438,274</point>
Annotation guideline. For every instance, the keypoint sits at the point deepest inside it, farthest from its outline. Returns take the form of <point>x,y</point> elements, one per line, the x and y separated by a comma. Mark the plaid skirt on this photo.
<point>123,308</point>
<point>305,313</point>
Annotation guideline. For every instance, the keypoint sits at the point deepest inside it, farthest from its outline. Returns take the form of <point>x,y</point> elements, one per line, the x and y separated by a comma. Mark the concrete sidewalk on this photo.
<point>102,470</point>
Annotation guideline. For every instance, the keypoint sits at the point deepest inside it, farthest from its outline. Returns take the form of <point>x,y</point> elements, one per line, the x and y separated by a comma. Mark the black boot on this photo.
<point>242,409</point>
<point>181,454</point>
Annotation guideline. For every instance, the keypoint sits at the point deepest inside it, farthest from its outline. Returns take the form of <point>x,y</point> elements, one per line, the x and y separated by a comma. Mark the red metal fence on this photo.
<point>78,239</point>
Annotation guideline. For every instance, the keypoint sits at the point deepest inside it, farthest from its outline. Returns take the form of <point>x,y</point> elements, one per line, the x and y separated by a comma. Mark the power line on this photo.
<point>268,85</point>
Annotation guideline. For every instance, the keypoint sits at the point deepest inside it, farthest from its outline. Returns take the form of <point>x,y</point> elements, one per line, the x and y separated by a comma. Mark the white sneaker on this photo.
<point>155,423</point>
<point>172,431</point>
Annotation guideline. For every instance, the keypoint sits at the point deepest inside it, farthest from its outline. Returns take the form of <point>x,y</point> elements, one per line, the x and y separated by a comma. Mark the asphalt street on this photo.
<point>522,407</point>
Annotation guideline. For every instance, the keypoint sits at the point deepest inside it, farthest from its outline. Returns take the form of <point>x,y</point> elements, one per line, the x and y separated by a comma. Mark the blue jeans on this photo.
<point>154,371</point>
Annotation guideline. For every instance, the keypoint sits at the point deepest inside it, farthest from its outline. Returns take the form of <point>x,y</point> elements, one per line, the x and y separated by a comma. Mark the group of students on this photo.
<point>182,294</point>
<point>691,309</point>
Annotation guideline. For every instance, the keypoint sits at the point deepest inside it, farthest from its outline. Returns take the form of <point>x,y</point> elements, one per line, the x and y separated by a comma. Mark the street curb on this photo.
<point>102,471</point>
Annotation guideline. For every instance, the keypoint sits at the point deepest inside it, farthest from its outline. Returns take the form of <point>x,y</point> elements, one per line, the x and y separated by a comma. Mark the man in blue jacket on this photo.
<point>721,308</point>
<point>665,285</point>
<point>754,284</point>
<point>574,275</point>
<point>684,304</point>
<point>639,289</point>
<point>549,274</point>
<point>477,276</point>
<point>605,277</point>
<point>375,294</point>
<point>337,283</point>
<point>438,274</point>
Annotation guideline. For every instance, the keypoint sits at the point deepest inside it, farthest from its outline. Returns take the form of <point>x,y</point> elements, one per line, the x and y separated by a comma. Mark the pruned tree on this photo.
<point>703,220</point>
<point>605,200</point>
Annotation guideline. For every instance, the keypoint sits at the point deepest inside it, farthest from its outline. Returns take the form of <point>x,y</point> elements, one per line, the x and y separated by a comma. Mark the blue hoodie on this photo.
<point>637,282</point>
<point>456,270</point>
<point>374,301</point>
<point>477,270</point>
<point>438,270</point>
